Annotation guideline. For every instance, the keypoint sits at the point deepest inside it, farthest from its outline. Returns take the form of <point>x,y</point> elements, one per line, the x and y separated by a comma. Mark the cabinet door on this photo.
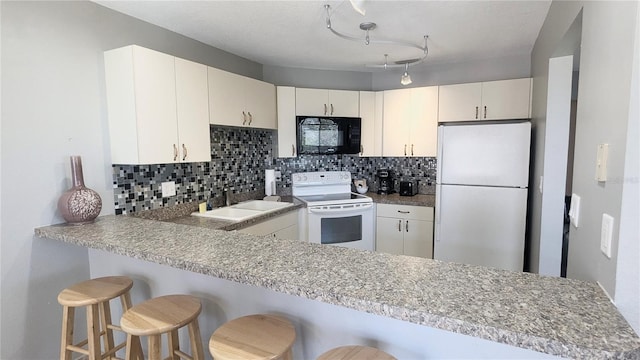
<point>286,100</point>
<point>226,98</point>
<point>260,103</point>
<point>389,235</point>
<point>314,102</point>
<point>460,102</point>
<point>344,103</point>
<point>423,134</point>
<point>192,101</point>
<point>418,238</point>
<point>506,99</point>
<point>396,122</point>
<point>371,132</point>
<point>155,104</point>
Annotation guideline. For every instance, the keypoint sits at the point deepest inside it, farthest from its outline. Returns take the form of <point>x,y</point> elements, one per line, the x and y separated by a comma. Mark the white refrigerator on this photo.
<point>481,194</point>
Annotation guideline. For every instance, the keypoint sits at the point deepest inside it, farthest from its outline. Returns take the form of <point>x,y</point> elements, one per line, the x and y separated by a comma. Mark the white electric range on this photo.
<point>334,214</point>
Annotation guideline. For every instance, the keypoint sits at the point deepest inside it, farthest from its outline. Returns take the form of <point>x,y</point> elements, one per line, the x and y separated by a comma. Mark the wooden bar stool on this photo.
<point>355,352</point>
<point>253,337</point>
<point>164,315</point>
<point>95,295</point>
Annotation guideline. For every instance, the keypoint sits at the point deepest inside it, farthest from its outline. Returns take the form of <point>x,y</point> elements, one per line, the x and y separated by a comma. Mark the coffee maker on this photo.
<point>385,182</point>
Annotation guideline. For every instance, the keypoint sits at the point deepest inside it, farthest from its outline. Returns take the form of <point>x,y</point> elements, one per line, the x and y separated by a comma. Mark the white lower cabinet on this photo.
<point>280,227</point>
<point>404,230</point>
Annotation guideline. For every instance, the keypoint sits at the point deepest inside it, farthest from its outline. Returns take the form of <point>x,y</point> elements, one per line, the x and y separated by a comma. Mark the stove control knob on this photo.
<point>297,178</point>
<point>305,177</point>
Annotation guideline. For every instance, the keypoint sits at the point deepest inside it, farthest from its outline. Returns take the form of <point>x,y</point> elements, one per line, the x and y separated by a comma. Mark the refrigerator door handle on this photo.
<point>437,214</point>
<point>439,154</point>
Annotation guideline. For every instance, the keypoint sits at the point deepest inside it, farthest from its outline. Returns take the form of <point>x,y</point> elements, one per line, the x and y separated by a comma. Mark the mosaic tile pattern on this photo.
<point>239,157</point>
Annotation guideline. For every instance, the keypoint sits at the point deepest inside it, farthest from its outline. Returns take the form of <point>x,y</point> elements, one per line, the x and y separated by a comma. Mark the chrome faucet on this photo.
<point>227,197</point>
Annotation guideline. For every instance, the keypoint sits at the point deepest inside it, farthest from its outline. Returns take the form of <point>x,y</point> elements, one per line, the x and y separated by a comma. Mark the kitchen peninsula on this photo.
<point>560,317</point>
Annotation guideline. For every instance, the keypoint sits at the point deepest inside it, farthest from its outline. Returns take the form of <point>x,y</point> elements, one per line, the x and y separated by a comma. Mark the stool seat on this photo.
<point>164,315</point>
<point>160,315</point>
<point>355,352</point>
<point>94,291</point>
<point>253,337</point>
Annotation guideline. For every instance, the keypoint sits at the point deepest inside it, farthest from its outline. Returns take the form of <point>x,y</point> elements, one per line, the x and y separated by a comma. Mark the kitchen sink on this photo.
<point>262,205</point>
<point>243,211</point>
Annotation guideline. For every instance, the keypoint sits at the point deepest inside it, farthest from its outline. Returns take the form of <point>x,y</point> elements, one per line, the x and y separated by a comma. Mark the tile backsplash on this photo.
<point>239,157</point>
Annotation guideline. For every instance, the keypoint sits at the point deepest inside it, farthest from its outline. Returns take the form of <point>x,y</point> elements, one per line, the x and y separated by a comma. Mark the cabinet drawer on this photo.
<point>405,212</point>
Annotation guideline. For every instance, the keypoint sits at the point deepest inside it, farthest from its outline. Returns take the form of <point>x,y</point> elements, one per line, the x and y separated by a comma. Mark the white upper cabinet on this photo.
<point>322,102</point>
<point>236,100</point>
<point>286,101</point>
<point>146,113</point>
<point>410,122</point>
<point>490,100</point>
<point>371,130</point>
<point>192,99</point>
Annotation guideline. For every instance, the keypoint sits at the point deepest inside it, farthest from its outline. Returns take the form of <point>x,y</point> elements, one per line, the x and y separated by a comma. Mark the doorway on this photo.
<point>561,121</point>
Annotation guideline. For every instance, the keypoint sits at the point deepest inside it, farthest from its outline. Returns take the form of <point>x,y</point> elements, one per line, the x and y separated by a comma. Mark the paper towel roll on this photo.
<point>269,182</point>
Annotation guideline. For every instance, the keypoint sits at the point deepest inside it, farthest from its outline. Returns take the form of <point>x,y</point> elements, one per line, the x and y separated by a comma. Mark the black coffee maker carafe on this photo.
<point>385,182</point>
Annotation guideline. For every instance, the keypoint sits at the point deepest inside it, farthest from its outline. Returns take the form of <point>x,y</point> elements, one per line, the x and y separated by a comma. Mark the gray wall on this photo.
<point>53,106</point>
<point>602,117</point>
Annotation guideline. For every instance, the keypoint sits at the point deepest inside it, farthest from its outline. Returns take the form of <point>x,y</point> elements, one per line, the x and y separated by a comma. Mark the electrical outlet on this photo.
<point>168,188</point>
<point>606,233</point>
<point>278,176</point>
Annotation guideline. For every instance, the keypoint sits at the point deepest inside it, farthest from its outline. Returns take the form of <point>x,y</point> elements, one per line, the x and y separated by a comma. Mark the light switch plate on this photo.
<point>168,188</point>
<point>606,233</point>
<point>601,162</point>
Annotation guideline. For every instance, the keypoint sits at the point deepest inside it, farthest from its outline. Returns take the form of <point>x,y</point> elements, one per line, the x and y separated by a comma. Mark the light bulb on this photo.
<point>406,79</point>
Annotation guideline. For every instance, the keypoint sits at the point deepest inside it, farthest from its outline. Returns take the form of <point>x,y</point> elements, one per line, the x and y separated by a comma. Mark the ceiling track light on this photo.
<point>367,40</point>
<point>406,79</point>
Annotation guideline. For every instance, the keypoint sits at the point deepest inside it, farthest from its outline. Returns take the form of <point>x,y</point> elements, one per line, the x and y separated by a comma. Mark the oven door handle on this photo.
<point>340,210</point>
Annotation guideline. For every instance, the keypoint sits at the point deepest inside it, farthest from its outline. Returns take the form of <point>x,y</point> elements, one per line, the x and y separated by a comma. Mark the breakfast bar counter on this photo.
<point>555,316</point>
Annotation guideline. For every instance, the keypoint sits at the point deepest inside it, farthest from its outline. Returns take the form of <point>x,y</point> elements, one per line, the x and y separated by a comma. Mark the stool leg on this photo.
<point>68,317</point>
<point>93,332</point>
<point>133,352</point>
<point>288,355</point>
<point>174,344</point>
<point>154,347</point>
<point>196,341</point>
<point>125,300</point>
<point>105,310</point>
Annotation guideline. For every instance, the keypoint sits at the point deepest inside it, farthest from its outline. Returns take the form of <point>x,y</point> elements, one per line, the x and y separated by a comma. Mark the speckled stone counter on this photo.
<point>416,200</point>
<point>557,316</point>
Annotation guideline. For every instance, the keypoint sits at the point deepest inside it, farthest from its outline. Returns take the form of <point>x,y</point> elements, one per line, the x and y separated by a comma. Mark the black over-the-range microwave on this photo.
<point>328,135</point>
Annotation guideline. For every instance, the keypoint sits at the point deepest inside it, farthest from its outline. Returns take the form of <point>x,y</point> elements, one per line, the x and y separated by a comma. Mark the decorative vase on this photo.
<point>79,205</point>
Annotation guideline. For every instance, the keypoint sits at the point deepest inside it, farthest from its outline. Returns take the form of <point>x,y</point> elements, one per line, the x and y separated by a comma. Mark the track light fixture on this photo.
<point>367,27</point>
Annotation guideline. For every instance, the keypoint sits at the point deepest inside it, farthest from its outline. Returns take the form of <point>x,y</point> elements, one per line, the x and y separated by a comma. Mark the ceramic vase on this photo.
<point>79,205</point>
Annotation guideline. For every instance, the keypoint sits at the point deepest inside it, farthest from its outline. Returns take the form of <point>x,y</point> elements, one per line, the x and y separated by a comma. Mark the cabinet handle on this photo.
<point>175,152</point>
<point>244,118</point>
<point>404,212</point>
<point>184,152</point>
<point>476,112</point>
<point>405,149</point>
<point>361,149</point>
<point>331,109</point>
<point>325,109</point>
<point>485,111</point>
<point>293,150</point>
<point>399,225</point>
<point>411,149</point>
<point>407,226</point>
<point>250,117</point>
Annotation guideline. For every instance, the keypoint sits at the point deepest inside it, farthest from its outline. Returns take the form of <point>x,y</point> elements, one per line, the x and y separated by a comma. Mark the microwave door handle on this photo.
<point>340,210</point>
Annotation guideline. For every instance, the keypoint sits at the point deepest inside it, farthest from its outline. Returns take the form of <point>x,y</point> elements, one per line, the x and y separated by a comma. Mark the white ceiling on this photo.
<point>293,33</point>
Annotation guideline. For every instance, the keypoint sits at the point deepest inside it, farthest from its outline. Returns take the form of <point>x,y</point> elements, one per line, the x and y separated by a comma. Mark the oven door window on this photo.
<point>340,229</point>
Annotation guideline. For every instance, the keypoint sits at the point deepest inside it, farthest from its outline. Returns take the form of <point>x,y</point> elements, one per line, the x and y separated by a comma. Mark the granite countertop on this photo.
<point>567,318</point>
<point>416,200</point>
